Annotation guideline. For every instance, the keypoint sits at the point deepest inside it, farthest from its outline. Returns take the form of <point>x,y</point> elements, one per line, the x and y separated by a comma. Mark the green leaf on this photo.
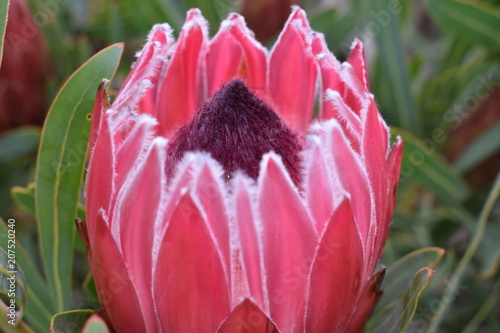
<point>404,310</point>
<point>400,274</point>
<point>479,149</point>
<point>19,142</point>
<point>60,168</point>
<point>458,274</point>
<point>423,164</point>
<point>40,304</point>
<point>7,327</point>
<point>394,69</point>
<point>476,20</point>
<point>70,321</point>
<point>4,11</point>
<point>489,252</point>
<point>25,198</point>
<point>95,324</point>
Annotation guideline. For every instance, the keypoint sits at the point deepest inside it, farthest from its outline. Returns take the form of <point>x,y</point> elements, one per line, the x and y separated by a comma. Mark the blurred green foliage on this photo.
<point>435,71</point>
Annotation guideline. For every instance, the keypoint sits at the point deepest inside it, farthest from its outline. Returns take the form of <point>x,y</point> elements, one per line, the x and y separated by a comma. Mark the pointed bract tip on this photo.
<point>195,18</point>
<point>356,43</point>
<point>161,33</point>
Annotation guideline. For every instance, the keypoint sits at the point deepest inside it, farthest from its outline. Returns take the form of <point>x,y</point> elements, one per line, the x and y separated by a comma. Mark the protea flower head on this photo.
<point>22,71</point>
<point>215,203</point>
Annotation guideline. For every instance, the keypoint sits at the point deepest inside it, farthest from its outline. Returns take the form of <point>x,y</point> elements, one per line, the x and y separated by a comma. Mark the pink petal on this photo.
<point>347,118</point>
<point>337,77</point>
<point>190,288</point>
<point>145,71</point>
<point>176,188</point>
<point>293,73</point>
<point>99,184</point>
<point>235,52</point>
<point>289,240</point>
<point>336,274</point>
<point>137,208</point>
<point>209,190</point>
<point>354,92</point>
<point>133,148</point>
<point>251,248</point>
<point>114,286</point>
<point>181,88</point>
<point>375,148</point>
<point>354,179</point>
<point>393,166</point>
<point>318,192</point>
<point>161,36</point>
<point>367,303</point>
<point>120,124</point>
<point>100,105</point>
<point>247,317</point>
<point>239,281</point>
<point>358,63</point>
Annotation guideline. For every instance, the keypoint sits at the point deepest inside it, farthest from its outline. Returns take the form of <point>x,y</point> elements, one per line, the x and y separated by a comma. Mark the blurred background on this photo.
<point>434,67</point>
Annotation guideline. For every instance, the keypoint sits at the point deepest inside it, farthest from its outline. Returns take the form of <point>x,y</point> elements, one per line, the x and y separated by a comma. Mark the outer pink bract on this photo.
<point>195,253</point>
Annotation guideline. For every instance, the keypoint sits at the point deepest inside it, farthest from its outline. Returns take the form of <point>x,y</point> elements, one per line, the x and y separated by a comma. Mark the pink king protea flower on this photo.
<point>213,203</point>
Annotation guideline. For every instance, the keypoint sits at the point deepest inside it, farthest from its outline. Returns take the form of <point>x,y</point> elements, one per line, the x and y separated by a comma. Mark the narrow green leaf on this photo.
<point>488,308</point>
<point>40,304</point>
<point>405,308</point>
<point>394,69</point>
<point>488,253</point>
<point>400,274</point>
<point>60,168</point>
<point>95,324</point>
<point>7,327</point>
<point>476,20</point>
<point>475,242</point>
<point>70,321</point>
<point>479,149</point>
<point>4,10</point>
<point>423,164</point>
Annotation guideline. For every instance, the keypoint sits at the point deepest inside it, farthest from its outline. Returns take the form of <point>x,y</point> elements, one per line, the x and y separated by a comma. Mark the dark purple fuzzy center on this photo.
<point>237,128</point>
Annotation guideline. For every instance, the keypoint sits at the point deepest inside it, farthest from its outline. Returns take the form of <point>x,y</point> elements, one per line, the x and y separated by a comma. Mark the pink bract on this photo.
<point>196,252</point>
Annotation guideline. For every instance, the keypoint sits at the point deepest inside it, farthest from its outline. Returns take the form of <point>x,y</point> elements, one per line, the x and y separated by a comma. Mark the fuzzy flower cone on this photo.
<point>215,202</point>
